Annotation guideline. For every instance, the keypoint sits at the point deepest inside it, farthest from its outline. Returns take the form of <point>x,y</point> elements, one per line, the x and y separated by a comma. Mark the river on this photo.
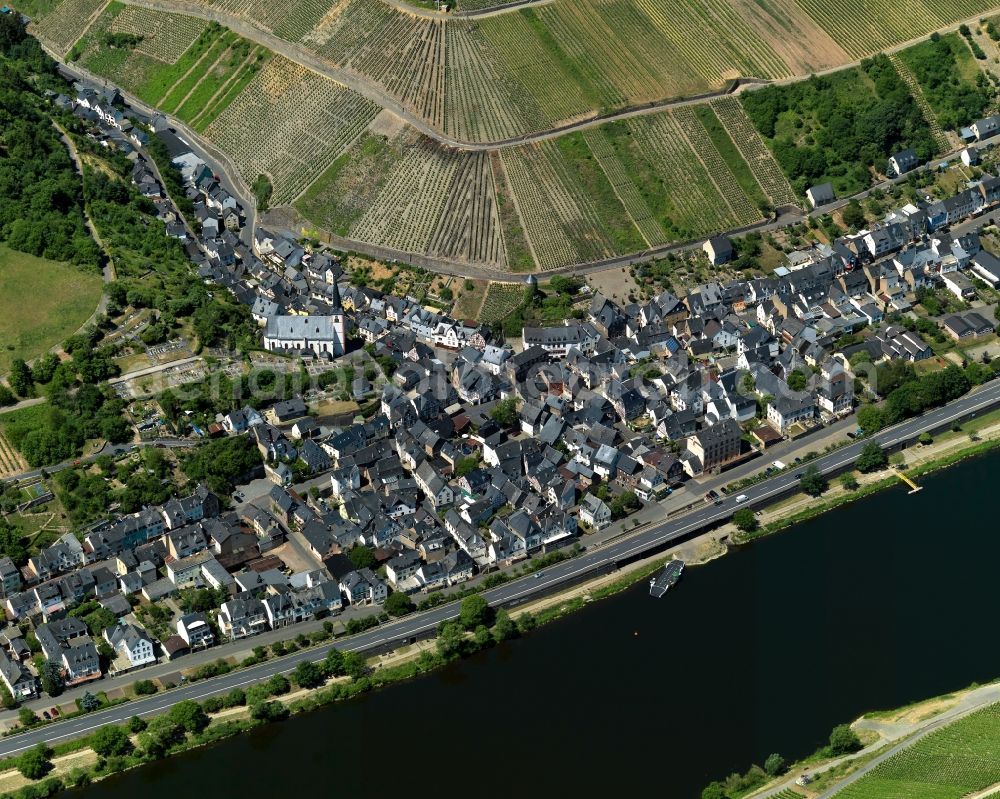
<point>874,605</point>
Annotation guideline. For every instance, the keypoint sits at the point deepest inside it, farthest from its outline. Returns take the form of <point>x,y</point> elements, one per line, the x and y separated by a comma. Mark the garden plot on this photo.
<point>501,300</point>
<point>165,37</point>
<point>469,227</point>
<point>765,169</point>
<point>407,209</point>
<point>290,124</point>
<point>11,462</point>
<point>67,22</point>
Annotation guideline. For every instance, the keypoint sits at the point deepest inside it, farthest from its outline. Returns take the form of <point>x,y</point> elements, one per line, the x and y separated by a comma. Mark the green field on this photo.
<point>41,303</point>
<point>959,759</point>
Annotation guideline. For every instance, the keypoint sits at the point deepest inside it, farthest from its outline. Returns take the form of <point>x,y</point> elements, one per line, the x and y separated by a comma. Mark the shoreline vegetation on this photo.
<point>43,771</point>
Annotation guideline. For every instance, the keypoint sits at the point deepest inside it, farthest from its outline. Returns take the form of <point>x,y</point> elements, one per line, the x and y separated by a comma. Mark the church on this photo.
<point>324,336</point>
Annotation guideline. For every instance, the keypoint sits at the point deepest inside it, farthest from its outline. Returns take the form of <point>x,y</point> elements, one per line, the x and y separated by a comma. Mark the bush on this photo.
<point>144,687</point>
<point>136,724</point>
<point>235,698</point>
<point>35,763</point>
<point>212,704</point>
<point>843,740</point>
<point>269,711</point>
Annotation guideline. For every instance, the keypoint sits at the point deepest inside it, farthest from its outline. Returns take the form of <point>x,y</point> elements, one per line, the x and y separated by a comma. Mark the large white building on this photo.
<point>325,336</point>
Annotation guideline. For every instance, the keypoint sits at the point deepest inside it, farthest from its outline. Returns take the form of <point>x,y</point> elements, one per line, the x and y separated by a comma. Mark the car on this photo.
<point>539,575</point>
<point>798,475</point>
<point>719,501</point>
<point>741,498</point>
<point>45,714</point>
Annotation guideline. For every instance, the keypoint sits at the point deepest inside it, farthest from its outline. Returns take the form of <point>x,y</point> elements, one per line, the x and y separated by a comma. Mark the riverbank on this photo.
<point>423,659</point>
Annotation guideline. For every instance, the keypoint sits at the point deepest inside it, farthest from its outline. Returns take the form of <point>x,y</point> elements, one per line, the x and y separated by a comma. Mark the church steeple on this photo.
<point>337,305</point>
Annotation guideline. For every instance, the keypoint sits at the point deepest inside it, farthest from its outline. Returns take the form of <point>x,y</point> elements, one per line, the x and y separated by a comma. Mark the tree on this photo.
<point>111,740</point>
<point>871,419</point>
<point>503,628</point>
<point>308,675</point>
<point>89,703</point>
<point>161,735</point>
<point>474,611</point>
<point>849,482</point>
<point>398,604</point>
<point>812,481</point>
<point>450,640</point>
<point>335,662</point>
<point>189,715</point>
<point>504,413</point>
<point>143,687</point>
<point>843,740</point>
<point>854,215</point>
<point>925,439</point>
<point>713,790</point>
<point>774,765</point>
<point>136,724</point>
<point>51,678</point>
<point>21,379</point>
<point>26,717</point>
<point>466,465</point>
<point>362,557</point>
<point>355,666</point>
<point>35,763</point>
<point>269,711</point>
<point>797,380</point>
<point>745,520</point>
<point>871,459</point>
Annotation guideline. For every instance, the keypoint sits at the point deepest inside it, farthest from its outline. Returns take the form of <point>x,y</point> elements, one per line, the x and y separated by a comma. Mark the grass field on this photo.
<point>33,319</point>
<point>959,759</point>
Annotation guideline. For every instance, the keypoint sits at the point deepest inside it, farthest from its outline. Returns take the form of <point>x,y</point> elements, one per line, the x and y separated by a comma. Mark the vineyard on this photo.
<point>182,66</point>
<point>11,462</point>
<point>502,299</point>
<point>407,209</point>
<point>865,28</point>
<point>67,22</point>
<point>560,220</point>
<point>950,763</point>
<point>765,169</point>
<point>165,37</point>
<point>469,227</point>
<point>290,124</point>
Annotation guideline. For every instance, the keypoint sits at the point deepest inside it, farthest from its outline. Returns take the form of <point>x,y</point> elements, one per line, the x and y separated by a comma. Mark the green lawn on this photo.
<point>41,303</point>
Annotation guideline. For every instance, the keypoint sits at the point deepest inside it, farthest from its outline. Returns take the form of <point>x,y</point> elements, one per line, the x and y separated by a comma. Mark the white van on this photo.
<point>741,498</point>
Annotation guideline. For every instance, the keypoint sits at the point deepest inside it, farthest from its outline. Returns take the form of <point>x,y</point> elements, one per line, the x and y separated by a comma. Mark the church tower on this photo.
<point>338,321</point>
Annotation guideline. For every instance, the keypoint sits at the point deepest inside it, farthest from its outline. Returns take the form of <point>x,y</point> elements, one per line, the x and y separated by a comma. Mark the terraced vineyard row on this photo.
<point>67,22</point>
<point>290,124</point>
<point>290,19</point>
<point>165,37</point>
<point>11,461</point>
<point>863,28</point>
<point>469,227</point>
<point>561,220</point>
<point>674,181</point>
<point>407,210</point>
<point>743,208</point>
<point>480,105</point>
<point>950,763</point>
<point>765,169</point>
<point>638,210</point>
<point>405,54</point>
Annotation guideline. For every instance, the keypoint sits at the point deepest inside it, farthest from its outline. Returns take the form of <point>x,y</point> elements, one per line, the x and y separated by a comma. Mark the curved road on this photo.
<point>598,558</point>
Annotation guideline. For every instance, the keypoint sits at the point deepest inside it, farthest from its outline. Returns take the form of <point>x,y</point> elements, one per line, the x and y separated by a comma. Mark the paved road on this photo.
<point>107,449</point>
<point>598,558</point>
